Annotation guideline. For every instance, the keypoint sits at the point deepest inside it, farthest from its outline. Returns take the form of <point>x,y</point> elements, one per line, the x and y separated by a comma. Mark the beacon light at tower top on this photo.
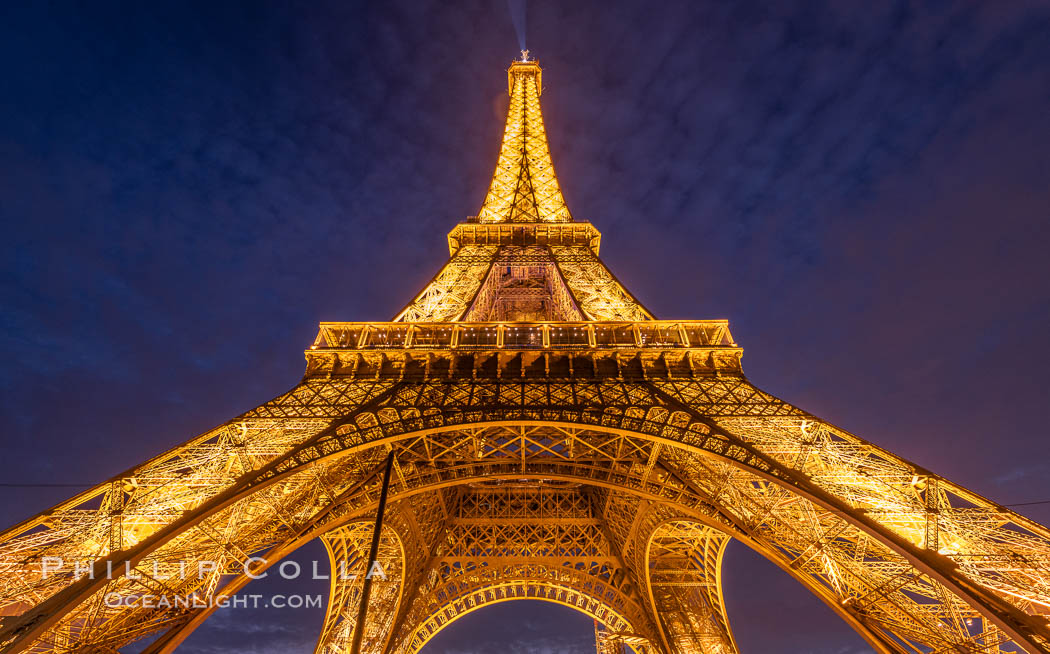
<point>542,436</point>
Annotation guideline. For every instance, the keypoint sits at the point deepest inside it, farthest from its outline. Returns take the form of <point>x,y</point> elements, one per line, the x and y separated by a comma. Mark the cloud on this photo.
<point>186,190</point>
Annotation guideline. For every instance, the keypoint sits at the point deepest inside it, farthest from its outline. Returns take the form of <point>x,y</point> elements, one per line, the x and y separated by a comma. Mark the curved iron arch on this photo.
<point>689,436</point>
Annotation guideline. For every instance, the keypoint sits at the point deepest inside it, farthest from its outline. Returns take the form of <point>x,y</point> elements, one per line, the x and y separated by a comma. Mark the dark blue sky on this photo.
<point>863,189</point>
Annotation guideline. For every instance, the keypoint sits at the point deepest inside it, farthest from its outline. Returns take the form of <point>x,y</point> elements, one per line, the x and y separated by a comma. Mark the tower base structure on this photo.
<point>551,441</point>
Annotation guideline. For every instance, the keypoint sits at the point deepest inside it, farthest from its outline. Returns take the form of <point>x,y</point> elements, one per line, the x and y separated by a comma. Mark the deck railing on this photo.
<point>661,334</point>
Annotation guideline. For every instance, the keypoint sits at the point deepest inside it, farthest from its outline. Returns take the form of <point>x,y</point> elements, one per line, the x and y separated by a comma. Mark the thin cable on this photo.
<point>3,485</point>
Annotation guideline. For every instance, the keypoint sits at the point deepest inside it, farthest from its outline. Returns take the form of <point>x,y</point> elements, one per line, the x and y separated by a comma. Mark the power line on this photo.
<point>3,485</point>
<point>1028,503</point>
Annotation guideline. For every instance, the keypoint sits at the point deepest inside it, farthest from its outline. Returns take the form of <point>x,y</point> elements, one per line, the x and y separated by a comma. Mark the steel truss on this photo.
<point>849,520</point>
<point>558,444</point>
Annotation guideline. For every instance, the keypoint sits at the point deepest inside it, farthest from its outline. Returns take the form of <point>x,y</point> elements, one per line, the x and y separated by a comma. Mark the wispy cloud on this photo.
<point>186,189</point>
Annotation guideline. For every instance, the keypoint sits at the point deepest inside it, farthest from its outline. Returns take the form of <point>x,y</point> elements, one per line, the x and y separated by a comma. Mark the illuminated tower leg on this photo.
<point>348,554</point>
<point>684,566</point>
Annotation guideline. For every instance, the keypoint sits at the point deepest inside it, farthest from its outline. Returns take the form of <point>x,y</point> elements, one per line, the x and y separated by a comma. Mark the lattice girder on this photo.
<point>524,283</point>
<point>683,564</point>
<point>524,187</point>
<point>507,541</point>
<point>347,547</point>
<point>534,581</point>
<point>579,284</point>
<point>523,210</point>
<point>597,291</point>
<point>765,466</point>
<point>698,620</point>
<point>615,454</point>
<point>450,293</point>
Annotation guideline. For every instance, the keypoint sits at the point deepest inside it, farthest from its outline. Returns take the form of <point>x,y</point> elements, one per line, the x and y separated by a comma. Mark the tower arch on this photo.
<point>669,480</point>
<point>526,375</point>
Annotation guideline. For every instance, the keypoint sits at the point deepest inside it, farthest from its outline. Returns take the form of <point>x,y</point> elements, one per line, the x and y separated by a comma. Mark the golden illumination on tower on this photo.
<point>524,258</point>
<point>544,437</point>
<point>524,187</point>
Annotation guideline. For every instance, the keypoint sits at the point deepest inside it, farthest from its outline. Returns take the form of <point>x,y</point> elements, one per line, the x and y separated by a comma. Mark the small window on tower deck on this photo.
<point>525,336</point>
<point>440,336</point>
<point>393,337</point>
<point>568,335</point>
<point>663,335</point>
<point>615,335</point>
<point>484,336</point>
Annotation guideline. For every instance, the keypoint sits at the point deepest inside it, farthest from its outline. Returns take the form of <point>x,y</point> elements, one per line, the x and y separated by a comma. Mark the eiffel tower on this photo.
<point>526,429</point>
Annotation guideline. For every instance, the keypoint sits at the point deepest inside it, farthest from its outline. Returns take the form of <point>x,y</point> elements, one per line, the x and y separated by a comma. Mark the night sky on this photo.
<point>862,188</point>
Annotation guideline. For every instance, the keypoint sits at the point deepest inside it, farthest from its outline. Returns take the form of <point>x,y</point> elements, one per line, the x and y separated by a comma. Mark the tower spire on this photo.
<point>552,441</point>
<point>524,187</point>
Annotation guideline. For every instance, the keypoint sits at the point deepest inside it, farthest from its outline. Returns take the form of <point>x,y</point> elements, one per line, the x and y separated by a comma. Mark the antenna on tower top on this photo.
<point>524,55</point>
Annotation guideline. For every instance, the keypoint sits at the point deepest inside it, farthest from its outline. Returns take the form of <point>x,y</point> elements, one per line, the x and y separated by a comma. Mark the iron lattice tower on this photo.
<point>552,440</point>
